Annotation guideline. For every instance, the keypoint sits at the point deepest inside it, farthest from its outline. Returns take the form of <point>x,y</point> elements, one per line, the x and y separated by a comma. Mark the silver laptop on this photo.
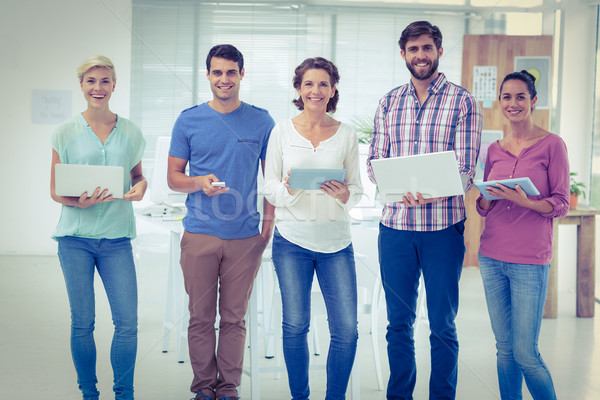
<point>431,174</point>
<point>74,179</point>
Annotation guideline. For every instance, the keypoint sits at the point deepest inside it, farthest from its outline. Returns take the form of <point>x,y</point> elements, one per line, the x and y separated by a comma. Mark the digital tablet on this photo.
<point>74,179</point>
<point>525,184</point>
<point>431,174</point>
<point>313,178</point>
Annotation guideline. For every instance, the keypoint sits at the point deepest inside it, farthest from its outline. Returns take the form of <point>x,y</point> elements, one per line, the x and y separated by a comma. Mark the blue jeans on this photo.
<point>79,258</point>
<point>515,295</point>
<point>402,257</point>
<point>336,273</point>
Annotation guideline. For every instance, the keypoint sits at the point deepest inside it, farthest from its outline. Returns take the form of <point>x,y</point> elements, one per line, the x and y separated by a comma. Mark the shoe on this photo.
<point>202,396</point>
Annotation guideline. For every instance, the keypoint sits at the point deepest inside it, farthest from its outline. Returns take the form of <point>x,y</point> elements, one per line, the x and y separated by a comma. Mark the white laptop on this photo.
<point>74,179</point>
<point>431,174</point>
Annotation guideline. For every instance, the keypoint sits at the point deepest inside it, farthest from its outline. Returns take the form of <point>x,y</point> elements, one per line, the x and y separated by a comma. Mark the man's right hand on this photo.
<point>410,201</point>
<point>205,183</point>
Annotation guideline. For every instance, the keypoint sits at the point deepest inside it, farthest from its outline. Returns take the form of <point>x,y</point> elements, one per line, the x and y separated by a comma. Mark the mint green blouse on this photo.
<point>76,143</point>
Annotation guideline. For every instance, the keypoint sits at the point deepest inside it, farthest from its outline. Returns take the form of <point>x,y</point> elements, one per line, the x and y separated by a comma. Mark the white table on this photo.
<point>176,316</point>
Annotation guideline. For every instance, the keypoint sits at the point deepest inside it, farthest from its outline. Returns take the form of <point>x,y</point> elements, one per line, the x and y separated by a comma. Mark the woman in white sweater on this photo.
<point>313,226</point>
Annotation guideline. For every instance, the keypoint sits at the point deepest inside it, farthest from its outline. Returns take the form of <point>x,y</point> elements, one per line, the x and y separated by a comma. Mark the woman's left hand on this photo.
<point>516,195</point>
<point>137,191</point>
<point>336,190</point>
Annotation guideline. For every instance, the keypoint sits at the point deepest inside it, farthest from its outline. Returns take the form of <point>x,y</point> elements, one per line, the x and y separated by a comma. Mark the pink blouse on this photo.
<point>517,234</point>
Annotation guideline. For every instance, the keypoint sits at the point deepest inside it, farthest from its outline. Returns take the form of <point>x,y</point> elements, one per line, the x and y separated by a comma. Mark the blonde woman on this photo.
<point>95,230</point>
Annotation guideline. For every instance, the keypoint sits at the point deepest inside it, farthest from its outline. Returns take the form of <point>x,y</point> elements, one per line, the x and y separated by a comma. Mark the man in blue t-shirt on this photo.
<point>223,141</point>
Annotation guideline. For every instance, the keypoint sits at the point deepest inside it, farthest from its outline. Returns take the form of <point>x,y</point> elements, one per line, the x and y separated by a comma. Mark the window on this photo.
<point>171,40</point>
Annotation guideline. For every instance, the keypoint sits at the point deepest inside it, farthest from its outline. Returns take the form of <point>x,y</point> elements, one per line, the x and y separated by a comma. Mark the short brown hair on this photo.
<point>418,28</point>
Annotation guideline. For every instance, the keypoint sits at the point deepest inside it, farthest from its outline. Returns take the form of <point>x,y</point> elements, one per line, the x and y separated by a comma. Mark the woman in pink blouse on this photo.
<point>516,244</point>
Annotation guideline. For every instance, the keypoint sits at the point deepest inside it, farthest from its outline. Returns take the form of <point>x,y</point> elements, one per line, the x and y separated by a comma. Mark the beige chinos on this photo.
<point>229,266</point>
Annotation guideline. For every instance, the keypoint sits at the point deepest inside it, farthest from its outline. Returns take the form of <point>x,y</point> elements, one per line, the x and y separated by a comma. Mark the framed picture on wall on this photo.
<point>539,67</point>
<point>485,78</point>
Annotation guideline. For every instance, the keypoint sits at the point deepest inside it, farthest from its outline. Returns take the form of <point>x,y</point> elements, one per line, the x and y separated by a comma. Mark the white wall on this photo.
<point>41,45</point>
<point>577,80</point>
<point>577,101</point>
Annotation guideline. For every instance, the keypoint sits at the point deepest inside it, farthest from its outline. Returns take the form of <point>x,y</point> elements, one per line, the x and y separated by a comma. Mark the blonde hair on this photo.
<point>93,62</point>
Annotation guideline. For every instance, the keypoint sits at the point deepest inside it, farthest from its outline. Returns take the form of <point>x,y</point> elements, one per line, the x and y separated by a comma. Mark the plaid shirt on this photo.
<point>450,119</point>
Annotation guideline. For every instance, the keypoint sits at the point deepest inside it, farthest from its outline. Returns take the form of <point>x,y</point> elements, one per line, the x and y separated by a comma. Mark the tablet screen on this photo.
<point>525,184</point>
<point>313,178</point>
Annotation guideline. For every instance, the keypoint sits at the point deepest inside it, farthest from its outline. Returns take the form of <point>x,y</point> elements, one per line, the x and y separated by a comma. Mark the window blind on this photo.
<point>171,40</point>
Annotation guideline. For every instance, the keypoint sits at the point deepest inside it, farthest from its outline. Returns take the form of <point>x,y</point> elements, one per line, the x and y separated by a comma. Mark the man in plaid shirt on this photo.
<point>429,114</point>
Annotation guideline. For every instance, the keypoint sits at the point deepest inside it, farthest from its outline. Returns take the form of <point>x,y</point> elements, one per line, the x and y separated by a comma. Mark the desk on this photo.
<point>585,219</point>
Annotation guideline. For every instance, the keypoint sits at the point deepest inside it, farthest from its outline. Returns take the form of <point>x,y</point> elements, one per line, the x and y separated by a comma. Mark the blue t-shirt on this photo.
<point>229,146</point>
<point>76,143</point>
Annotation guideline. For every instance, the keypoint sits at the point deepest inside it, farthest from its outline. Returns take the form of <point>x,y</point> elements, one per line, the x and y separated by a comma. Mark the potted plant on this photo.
<point>576,189</point>
<point>364,129</point>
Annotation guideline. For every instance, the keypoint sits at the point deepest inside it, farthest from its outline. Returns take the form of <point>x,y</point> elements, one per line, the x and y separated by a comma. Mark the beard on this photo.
<point>425,74</point>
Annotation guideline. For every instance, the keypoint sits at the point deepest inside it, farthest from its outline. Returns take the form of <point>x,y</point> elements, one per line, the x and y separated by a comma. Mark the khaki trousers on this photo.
<point>228,267</point>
